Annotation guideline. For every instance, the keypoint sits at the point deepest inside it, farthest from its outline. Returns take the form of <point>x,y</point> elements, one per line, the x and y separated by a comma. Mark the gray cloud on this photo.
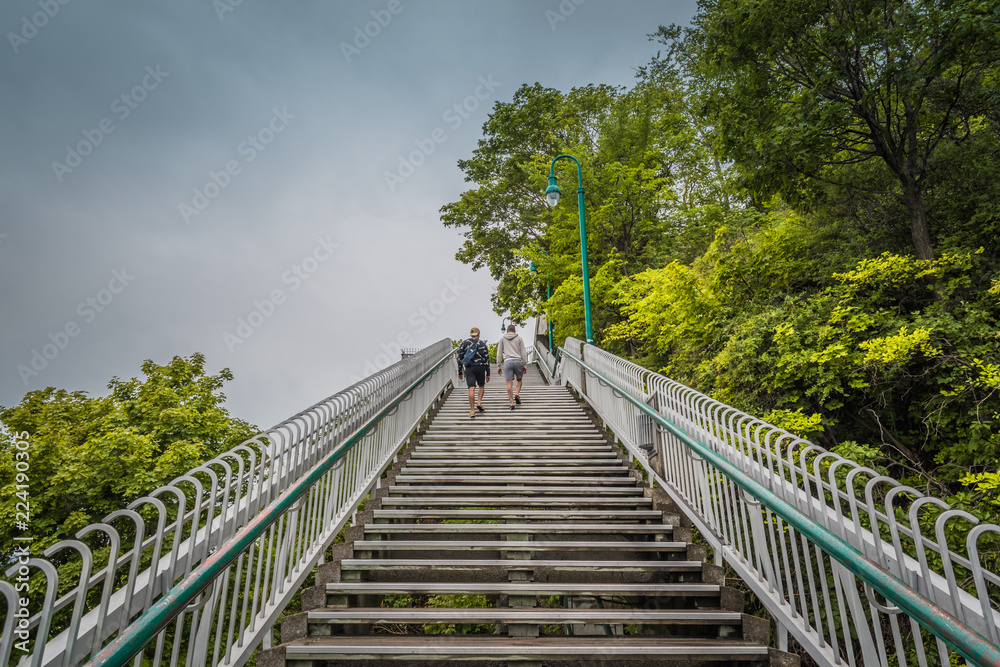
<point>322,176</point>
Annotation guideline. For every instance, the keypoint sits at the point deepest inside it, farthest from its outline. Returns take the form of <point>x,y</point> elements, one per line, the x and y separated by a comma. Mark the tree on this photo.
<point>798,88</point>
<point>89,456</point>
<point>506,215</point>
<point>650,185</point>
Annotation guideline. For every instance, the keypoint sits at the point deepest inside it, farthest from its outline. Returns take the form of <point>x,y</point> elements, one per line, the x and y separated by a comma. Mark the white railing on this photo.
<point>340,446</point>
<point>546,363</point>
<point>834,614</point>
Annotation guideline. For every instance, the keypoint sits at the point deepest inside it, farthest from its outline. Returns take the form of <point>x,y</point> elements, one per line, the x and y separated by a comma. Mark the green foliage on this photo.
<point>892,352</point>
<point>651,187</point>
<point>793,209</point>
<point>795,421</point>
<point>458,601</point>
<point>799,90</point>
<point>90,455</point>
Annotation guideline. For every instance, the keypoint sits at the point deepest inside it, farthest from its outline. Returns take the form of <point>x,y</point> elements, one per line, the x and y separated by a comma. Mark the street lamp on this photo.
<point>548,296</point>
<point>503,324</point>
<point>552,197</point>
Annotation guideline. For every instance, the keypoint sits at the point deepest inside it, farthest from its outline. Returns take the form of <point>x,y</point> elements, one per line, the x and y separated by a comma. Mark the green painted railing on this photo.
<point>904,599</point>
<point>144,630</point>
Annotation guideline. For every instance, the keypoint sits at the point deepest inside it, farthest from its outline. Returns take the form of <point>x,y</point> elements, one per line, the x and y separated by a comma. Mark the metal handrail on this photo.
<point>546,363</point>
<point>142,631</point>
<point>215,504</point>
<point>769,517</point>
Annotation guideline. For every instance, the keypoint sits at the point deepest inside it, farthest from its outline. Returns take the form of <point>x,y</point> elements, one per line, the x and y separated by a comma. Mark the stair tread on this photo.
<point>508,648</point>
<point>515,564</point>
<point>526,588</point>
<point>549,470</point>
<point>545,528</point>
<point>531,490</point>
<point>515,450</point>
<point>500,514</point>
<point>524,615</point>
<point>624,479</point>
<point>564,487</point>
<point>492,500</point>
<point>529,459</point>
<point>514,545</point>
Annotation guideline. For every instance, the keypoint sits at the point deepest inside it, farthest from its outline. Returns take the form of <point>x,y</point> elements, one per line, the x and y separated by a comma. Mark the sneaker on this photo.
<point>480,408</point>
<point>512,407</point>
<point>472,414</point>
<point>517,399</point>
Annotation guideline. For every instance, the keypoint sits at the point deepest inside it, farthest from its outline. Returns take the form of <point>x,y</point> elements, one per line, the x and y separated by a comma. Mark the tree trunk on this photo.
<point>918,218</point>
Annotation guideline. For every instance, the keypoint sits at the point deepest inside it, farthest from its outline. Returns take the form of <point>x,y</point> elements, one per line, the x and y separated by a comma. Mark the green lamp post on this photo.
<point>548,295</point>
<point>552,197</point>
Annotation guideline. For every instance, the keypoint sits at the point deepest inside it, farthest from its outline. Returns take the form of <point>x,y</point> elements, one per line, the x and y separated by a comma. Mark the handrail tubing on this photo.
<point>832,513</point>
<point>137,635</point>
<point>276,451</point>
<point>946,627</point>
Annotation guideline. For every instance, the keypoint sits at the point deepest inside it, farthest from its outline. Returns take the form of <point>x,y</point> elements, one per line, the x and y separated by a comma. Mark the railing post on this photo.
<point>201,626</point>
<point>757,533</point>
<point>705,498</point>
<point>656,457</point>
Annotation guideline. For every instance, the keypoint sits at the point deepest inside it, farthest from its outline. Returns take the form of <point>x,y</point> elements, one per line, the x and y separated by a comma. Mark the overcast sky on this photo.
<point>168,168</point>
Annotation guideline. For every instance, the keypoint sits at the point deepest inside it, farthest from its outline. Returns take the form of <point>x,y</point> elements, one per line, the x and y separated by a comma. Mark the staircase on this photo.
<point>540,540</point>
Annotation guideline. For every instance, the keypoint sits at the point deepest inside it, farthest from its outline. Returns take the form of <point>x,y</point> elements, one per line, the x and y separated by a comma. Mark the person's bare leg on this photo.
<point>518,392</point>
<point>472,397</point>
<point>510,391</point>
<point>482,390</point>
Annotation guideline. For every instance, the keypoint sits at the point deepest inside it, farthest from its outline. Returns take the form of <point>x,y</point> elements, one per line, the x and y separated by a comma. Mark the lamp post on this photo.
<point>548,296</point>
<point>503,324</point>
<point>552,197</point>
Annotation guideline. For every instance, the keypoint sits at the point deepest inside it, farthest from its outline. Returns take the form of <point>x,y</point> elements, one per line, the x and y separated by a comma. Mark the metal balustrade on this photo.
<point>853,564</point>
<point>546,363</point>
<point>198,571</point>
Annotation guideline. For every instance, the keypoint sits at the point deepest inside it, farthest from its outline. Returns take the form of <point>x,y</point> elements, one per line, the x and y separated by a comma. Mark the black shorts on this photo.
<point>475,375</point>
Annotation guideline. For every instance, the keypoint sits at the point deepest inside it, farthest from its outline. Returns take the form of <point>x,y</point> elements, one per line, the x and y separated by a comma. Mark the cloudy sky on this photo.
<point>170,168</point>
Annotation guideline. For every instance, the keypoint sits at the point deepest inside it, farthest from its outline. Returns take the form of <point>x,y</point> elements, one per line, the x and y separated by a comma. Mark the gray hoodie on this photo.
<point>511,347</point>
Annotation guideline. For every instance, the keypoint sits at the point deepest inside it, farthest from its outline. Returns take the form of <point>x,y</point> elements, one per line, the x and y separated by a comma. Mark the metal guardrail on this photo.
<point>815,536</point>
<point>546,363</point>
<point>230,542</point>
